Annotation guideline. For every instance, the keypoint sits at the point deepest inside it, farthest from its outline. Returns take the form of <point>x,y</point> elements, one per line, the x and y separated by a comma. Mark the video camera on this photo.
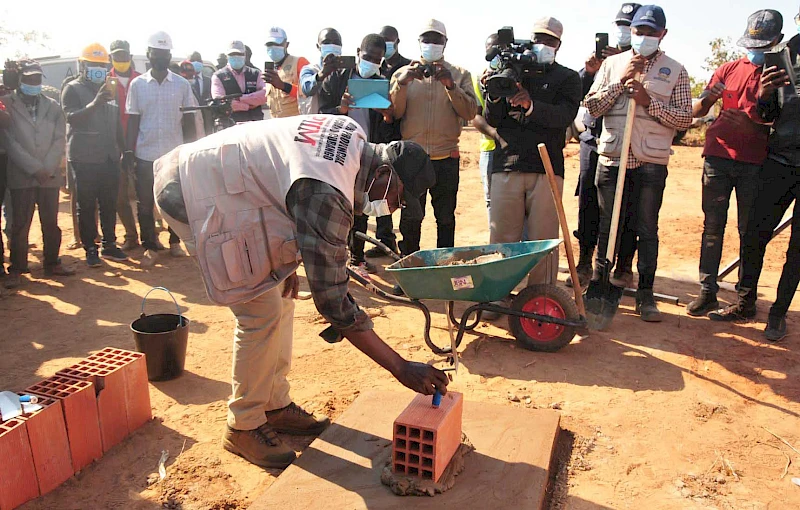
<point>220,107</point>
<point>516,59</point>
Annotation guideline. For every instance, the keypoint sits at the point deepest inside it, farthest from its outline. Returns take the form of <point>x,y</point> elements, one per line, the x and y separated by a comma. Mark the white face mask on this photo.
<point>622,35</point>
<point>544,53</point>
<point>645,45</point>
<point>378,208</point>
<point>431,52</point>
<point>367,69</point>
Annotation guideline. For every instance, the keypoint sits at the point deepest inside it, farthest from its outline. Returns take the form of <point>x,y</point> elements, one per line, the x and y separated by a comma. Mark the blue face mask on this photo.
<point>756,56</point>
<point>236,61</point>
<point>495,63</point>
<point>30,90</point>
<point>198,67</point>
<point>276,53</point>
<point>645,45</point>
<point>622,34</point>
<point>390,49</point>
<point>367,69</point>
<point>327,49</point>
<point>544,53</point>
<point>96,75</point>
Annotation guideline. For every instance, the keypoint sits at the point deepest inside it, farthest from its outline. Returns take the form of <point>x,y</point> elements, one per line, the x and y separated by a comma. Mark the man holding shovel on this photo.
<point>659,86</point>
<point>249,201</point>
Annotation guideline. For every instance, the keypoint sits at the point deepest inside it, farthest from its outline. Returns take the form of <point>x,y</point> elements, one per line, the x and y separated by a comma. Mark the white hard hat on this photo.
<point>160,41</point>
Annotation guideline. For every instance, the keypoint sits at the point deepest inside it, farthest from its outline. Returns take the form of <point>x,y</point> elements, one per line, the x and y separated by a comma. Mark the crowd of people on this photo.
<point>251,201</point>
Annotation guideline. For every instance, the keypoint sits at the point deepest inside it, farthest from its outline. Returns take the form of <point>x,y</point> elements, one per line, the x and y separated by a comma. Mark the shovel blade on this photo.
<point>602,302</point>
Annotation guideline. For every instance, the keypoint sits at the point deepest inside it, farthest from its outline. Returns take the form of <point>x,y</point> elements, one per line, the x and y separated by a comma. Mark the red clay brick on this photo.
<point>47,433</point>
<point>137,388</point>
<point>109,381</point>
<point>17,473</point>
<point>79,405</point>
<point>425,438</point>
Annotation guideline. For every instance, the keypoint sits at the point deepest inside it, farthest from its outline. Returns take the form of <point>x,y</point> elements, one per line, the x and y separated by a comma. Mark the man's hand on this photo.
<point>103,96</point>
<point>635,66</point>
<point>291,287</point>
<point>42,176</point>
<point>423,378</point>
<point>636,90</point>
<point>347,102</point>
<point>444,76</point>
<point>742,122</point>
<point>772,79</point>
<point>521,98</point>
<point>387,113</point>
<point>410,73</point>
<point>328,66</point>
<point>592,64</point>
<point>610,51</point>
<point>272,77</point>
<point>714,93</point>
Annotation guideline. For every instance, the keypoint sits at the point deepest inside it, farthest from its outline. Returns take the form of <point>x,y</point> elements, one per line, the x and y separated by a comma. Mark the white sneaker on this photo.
<point>149,258</point>
<point>175,250</point>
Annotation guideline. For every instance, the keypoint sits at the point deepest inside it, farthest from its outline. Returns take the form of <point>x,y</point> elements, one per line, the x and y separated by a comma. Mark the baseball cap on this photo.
<point>160,41</point>
<point>433,25</point>
<point>119,45</point>
<point>235,47</point>
<point>650,16</point>
<point>549,26</point>
<point>29,67</point>
<point>415,170</point>
<point>276,35</point>
<point>762,28</point>
<point>626,12</point>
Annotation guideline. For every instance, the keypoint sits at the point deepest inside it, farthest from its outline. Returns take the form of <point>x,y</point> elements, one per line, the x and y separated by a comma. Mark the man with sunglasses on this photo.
<point>248,225</point>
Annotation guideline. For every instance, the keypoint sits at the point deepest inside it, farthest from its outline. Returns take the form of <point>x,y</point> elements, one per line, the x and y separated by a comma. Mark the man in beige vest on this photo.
<point>660,87</point>
<point>284,79</point>
<point>249,201</point>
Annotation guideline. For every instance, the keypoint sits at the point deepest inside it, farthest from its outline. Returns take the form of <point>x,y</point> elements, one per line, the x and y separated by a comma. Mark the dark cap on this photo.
<point>625,14</point>
<point>763,27</point>
<point>119,45</point>
<point>650,16</point>
<point>415,170</point>
<point>29,67</point>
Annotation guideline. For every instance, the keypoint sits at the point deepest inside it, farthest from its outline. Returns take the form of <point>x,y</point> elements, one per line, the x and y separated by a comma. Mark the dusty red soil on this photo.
<point>650,410</point>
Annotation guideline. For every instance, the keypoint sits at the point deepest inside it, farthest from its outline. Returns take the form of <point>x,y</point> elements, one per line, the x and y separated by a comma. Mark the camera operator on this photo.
<point>545,104</point>
<point>586,191</point>
<point>432,97</point>
<point>660,87</point>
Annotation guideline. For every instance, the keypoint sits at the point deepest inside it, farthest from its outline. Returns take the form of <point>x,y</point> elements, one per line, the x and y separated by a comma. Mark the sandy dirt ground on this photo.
<point>668,415</point>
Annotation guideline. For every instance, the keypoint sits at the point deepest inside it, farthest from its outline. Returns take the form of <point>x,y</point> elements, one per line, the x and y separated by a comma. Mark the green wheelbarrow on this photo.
<point>541,317</point>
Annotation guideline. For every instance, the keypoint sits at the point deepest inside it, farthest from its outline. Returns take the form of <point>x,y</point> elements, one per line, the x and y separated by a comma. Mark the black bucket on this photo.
<point>163,339</point>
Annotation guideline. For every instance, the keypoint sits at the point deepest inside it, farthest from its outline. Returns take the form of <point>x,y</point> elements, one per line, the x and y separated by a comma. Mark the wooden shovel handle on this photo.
<point>565,232</point>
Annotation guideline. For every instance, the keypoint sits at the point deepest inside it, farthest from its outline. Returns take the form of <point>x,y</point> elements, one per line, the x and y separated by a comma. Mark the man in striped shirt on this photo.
<point>660,87</point>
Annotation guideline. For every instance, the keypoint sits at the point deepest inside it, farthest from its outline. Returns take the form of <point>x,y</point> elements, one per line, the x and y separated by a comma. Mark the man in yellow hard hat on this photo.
<point>95,144</point>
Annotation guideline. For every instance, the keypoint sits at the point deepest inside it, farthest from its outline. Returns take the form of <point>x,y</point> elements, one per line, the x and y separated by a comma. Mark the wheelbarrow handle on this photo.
<point>385,249</point>
<point>144,299</point>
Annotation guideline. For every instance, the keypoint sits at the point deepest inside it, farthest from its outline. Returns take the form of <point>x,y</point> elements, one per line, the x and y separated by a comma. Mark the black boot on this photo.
<point>705,302</point>
<point>584,266</point>
<point>646,306</point>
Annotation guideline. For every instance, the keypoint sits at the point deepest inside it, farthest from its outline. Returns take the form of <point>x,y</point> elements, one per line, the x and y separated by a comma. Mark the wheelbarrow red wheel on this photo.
<point>548,300</point>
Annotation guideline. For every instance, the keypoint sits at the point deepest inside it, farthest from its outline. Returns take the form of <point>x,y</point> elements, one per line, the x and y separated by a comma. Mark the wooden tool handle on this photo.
<point>565,232</point>
<point>623,166</point>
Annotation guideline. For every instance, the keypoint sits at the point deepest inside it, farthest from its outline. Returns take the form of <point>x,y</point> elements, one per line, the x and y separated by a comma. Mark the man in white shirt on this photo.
<point>156,125</point>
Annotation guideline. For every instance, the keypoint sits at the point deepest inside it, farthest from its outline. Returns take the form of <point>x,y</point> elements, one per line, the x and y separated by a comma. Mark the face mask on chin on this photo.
<point>378,208</point>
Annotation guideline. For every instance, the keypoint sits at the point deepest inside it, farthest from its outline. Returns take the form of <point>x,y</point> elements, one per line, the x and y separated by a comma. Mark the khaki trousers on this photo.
<point>518,198</point>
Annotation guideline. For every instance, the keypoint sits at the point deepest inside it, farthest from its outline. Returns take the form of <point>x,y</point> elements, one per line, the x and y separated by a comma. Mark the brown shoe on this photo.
<point>13,280</point>
<point>59,270</point>
<point>260,446</point>
<point>295,421</point>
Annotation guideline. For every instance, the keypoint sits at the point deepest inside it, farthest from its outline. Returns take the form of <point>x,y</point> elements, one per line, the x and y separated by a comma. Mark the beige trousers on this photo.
<point>520,199</point>
<point>262,350</point>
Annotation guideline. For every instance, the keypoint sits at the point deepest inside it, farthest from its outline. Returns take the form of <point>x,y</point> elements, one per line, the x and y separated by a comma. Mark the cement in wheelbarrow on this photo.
<point>421,276</point>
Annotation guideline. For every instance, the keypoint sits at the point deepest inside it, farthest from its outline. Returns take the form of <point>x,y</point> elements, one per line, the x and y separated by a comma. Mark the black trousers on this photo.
<point>443,200</point>
<point>720,177</point>
<point>97,183</point>
<point>588,205</point>
<point>3,181</point>
<point>23,203</point>
<point>641,203</point>
<point>779,187</point>
<point>145,202</point>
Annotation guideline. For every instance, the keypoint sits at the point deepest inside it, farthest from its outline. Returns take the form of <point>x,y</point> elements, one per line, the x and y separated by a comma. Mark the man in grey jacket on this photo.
<point>35,146</point>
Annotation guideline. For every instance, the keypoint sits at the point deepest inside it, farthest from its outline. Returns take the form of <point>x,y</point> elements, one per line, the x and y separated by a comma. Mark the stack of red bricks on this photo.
<point>86,410</point>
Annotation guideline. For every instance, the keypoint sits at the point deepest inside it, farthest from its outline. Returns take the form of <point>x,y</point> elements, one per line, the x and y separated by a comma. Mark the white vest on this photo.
<point>235,183</point>
<point>280,103</point>
<point>651,141</point>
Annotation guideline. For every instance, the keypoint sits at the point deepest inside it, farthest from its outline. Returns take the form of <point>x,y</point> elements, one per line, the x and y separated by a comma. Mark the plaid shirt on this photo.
<point>677,114</point>
<point>324,218</point>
